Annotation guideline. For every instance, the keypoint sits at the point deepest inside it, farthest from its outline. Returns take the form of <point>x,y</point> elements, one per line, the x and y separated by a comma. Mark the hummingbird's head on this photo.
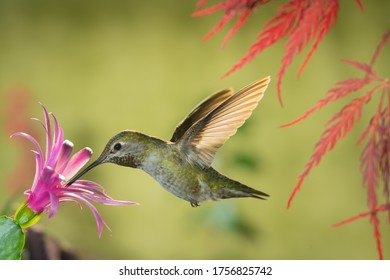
<point>122,149</point>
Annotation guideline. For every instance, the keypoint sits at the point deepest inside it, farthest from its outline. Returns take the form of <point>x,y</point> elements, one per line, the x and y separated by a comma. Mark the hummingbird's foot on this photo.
<point>194,204</point>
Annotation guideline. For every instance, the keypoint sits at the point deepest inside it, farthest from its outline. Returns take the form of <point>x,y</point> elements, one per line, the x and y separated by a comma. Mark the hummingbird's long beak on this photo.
<point>89,167</point>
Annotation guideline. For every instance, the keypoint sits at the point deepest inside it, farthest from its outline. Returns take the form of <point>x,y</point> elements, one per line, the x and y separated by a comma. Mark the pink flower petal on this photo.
<point>38,168</point>
<point>32,140</point>
<point>86,184</point>
<point>48,133</point>
<point>47,178</point>
<point>64,156</point>
<point>49,187</point>
<point>57,141</point>
<point>28,192</point>
<point>69,199</point>
<point>97,196</point>
<point>39,196</point>
<point>77,161</point>
<point>99,220</point>
<point>53,205</point>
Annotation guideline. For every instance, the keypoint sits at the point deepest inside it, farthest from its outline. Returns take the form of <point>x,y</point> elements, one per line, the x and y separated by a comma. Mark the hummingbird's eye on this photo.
<point>117,146</point>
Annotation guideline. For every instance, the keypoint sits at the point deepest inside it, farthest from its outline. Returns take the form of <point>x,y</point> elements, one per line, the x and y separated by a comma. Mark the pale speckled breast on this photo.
<point>176,175</point>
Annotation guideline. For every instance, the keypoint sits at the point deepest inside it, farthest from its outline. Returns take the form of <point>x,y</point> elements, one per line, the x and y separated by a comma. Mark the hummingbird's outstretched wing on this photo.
<point>202,140</point>
<point>200,111</point>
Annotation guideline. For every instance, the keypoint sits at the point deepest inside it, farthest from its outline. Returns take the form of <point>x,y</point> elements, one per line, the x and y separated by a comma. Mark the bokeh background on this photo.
<point>106,66</point>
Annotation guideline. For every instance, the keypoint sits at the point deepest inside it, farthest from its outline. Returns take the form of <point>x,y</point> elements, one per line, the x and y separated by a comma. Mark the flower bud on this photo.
<point>26,217</point>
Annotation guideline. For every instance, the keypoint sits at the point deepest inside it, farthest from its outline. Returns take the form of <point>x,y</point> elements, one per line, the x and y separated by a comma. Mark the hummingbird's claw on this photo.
<point>194,204</point>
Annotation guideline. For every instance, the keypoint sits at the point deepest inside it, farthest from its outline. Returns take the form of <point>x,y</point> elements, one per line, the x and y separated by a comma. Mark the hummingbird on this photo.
<point>182,165</point>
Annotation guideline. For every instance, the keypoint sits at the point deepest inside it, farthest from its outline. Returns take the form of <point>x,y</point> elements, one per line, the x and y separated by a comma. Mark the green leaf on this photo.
<point>11,239</point>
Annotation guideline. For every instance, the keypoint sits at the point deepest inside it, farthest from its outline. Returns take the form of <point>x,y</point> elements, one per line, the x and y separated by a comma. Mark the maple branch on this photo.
<point>329,19</point>
<point>348,86</point>
<point>374,220</point>
<point>375,157</point>
<point>377,234</point>
<point>301,21</point>
<point>232,7</point>
<point>336,128</point>
<point>225,19</point>
<point>360,5</point>
<point>240,21</point>
<point>343,89</point>
<point>381,44</point>
<point>385,140</point>
<point>380,208</point>
<point>371,155</point>
<point>306,22</point>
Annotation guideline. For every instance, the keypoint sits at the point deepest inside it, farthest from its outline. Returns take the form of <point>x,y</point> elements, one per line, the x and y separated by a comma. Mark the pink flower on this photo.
<point>54,168</point>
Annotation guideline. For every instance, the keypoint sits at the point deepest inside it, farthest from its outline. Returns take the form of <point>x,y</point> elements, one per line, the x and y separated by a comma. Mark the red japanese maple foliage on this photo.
<point>375,157</point>
<point>301,21</point>
<point>304,21</point>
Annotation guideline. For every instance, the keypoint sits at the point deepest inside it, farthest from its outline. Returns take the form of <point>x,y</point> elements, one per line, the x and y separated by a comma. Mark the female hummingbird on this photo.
<point>183,165</point>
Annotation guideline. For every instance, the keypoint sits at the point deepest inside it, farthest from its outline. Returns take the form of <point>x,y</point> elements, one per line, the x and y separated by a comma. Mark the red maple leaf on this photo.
<point>301,21</point>
<point>306,22</point>
<point>375,162</point>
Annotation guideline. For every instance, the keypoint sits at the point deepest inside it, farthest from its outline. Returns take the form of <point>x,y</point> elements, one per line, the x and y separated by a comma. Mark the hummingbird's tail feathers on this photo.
<point>258,194</point>
<point>239,190</point>
<point>263,197</point>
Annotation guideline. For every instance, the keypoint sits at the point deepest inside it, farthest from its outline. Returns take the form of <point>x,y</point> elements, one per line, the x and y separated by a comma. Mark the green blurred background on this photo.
<point>105,66</point>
